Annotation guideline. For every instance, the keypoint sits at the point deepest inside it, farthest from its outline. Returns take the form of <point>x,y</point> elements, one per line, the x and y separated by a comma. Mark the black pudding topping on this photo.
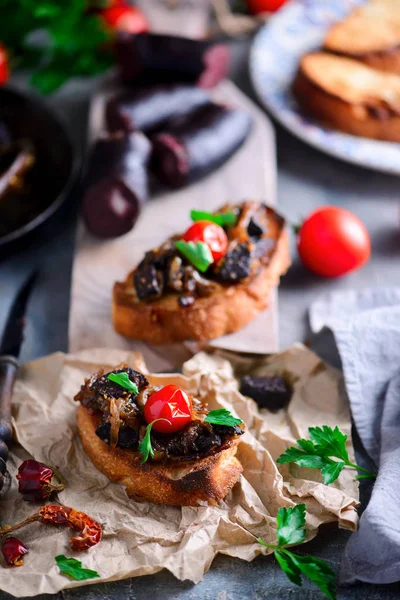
<point>254,229</point>
<point>105,387</point>
<point>148,283</point>
<point>197,439</point>
<point>225,431</point>
<point>128,438</point>
<point>269,392</point>
<point>236,264</point>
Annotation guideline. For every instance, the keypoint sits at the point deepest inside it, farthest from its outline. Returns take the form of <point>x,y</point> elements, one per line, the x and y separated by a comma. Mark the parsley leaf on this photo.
<point>222,416</point>
<point>73,568</point>
<point>73,41</point>
<point>198,253</point>
<point>123,380</point>
<point>225,219</point>
<point>287,565</point>
<point>290,530</point>
<point>331,441</point>
<point>317,453</point>
<point>145,447</point>
<point>316,570</point>
<point>291,522</point>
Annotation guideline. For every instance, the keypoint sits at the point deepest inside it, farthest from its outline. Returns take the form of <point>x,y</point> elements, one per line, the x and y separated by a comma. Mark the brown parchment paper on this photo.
<point>141,538</point>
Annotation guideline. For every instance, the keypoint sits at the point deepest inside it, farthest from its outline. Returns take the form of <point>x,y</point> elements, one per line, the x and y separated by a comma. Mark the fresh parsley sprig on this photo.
<point>198,253</point>
<point>123,380</point>
<point>224,219</point>
<point>72,41</point>
<point>290,530</point>
<point>222,416</point>
<point>324,444</point>
<point>73,568</point>
<point>145,447</point>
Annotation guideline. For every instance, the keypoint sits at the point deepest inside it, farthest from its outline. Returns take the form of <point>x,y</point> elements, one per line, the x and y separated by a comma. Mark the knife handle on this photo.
<point>8,373</point>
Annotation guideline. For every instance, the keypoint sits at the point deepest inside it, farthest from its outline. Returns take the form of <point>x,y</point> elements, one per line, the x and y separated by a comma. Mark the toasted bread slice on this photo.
<point>229,308</point>
<point>371,34</point>
<point>207,479</point>
<point>347,95</point>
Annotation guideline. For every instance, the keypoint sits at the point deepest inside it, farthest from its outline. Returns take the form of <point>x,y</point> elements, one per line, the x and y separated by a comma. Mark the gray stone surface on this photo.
<point>307,179</point>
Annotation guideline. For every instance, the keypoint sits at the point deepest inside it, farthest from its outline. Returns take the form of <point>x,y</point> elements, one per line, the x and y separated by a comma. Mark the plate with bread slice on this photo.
<point>329,71</point>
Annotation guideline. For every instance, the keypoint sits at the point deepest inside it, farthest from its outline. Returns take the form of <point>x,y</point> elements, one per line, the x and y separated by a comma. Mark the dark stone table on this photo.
<point>307,179</point>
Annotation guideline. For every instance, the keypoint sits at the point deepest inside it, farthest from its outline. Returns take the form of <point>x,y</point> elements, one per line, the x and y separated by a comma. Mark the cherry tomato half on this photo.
<point>260,6</point>
<point>169,403</point>
<point>332,241</point>
<point>4,70</point>
<point>211,234</point>
<point>125,18</point>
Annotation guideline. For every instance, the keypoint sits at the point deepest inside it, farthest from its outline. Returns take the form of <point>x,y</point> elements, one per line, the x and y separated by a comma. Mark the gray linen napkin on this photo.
<point>366,329</point>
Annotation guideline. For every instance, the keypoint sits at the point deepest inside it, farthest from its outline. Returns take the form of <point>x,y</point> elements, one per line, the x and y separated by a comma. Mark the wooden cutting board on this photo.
<point>250,173</point>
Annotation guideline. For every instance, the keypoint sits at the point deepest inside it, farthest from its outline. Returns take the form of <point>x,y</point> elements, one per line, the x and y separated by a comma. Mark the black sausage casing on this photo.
<point>159,58</point>
<point>148,107</point>
<point>116,184</point>
<point>195,145</point>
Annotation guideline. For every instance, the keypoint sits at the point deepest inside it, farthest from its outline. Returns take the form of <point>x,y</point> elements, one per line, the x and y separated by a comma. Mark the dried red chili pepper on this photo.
<point>54,514</point>
<point>36,481</point>
<point>13,550</point>
<point>90,531</point>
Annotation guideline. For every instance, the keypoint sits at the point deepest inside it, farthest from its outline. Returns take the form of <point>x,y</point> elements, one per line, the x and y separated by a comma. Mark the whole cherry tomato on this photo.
<point>169,403</point>
<point>211,234</point>
<point>4,70</point>
<point>125,18</point>
<point>332,241</point>
<point>260,6</point>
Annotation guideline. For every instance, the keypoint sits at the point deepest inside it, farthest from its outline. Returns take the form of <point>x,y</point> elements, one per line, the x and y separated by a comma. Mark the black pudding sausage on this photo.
<point>196,145</point>
<point>116,184</point>
<point>146,108</point>
<point>158,58</point>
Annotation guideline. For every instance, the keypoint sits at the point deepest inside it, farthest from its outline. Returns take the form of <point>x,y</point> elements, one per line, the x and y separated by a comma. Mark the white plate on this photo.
<point>297,28</point>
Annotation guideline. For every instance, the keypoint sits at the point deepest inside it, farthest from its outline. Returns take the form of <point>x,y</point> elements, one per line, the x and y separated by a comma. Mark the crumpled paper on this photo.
<point>143,538</point>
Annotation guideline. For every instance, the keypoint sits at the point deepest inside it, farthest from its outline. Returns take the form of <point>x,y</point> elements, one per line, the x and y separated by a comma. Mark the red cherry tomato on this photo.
<point>4,70</point>
<point>260,6</point>
<point>169,403</point>
<point>211,234</point>
<point>332,241</point>
<point>125,18</point>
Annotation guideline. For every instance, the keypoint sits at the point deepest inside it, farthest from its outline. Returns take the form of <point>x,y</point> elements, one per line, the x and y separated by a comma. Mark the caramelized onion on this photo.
<point>115,421</point>
<point>144,394</point>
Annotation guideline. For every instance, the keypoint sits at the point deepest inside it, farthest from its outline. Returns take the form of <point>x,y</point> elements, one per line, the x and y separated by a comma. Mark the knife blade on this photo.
<point>10,346</point>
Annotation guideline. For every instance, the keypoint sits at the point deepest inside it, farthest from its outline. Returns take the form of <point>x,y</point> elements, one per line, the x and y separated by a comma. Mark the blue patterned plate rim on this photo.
<point>297,28</point>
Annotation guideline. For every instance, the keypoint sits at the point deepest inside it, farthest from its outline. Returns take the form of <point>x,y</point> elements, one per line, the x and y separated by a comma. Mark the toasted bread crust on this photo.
<point>184,484</point>
<point>346,109</point>
<point>370,33</point>
<point>385,60</point>
<point>226,311</point>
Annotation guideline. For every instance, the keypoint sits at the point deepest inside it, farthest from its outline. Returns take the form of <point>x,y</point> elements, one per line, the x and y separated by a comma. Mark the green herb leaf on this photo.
<point>123,380</point>
<point>331,471</point>
<point>332,442</point>
<point>73,568</point>
<point>315,569</point>
<point>224,219</point>
<point>317,453</point>
<point>145,447</point>
<point>198,253</point>
<point>291,522</point>
<point>73,41</point>
<point>48,79</point>
<point>222,416</point>
<point>290,530</point>
<point>287,565</point>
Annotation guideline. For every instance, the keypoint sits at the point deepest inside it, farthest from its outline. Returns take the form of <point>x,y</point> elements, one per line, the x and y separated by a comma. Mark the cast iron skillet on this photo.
<point>56,166</point>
